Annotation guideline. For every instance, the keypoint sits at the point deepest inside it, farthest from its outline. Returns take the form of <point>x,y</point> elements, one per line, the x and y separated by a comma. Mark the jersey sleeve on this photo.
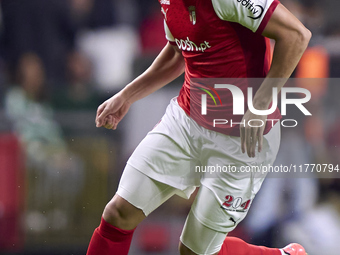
<point>253,14</point>
<point>168,34</point>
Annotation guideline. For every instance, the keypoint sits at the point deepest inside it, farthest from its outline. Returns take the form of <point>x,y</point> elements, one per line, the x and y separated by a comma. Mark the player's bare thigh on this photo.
<point>121,214</point>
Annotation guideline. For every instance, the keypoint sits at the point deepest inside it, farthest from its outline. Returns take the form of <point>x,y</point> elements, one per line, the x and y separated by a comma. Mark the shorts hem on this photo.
<point>208,225</point>
<point>211,251</point>
<point>124,193</point>
<point>160,178</point>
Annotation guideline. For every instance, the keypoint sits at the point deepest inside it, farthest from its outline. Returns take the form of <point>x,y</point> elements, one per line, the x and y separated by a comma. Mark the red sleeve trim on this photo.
<point>267,16</point>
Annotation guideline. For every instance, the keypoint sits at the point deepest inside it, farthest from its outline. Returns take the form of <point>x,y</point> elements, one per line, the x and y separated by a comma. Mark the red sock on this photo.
<point>236,246</point>
<point>108,239</point>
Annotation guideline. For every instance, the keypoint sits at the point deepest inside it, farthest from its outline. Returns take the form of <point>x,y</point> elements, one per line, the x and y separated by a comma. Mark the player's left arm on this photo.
<point>291,40</point>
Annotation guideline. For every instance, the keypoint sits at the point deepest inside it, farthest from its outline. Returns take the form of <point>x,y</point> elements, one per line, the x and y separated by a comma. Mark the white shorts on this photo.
<point>179,155</point>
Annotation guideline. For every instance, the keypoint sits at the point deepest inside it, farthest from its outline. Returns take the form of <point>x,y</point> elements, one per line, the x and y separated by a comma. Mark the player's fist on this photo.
<point>112,111</point>
<point>109,122</point>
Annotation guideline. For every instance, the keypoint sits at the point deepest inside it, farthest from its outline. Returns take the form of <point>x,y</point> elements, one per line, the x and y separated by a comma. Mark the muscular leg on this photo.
<point>121,214</point>
<point>114,234</point>
<point>198,238</point>
<point>137,196</point>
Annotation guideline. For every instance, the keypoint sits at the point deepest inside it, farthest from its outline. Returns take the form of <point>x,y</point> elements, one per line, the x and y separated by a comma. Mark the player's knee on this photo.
<point>112,213</point>
<point>120,213</point>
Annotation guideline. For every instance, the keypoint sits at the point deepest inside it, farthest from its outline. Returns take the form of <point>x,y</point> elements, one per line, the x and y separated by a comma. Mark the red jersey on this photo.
<point>219,39</point>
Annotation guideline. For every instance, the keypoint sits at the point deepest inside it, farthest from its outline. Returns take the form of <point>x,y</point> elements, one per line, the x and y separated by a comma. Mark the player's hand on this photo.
<point>112,111</point>
<point>252,135</point>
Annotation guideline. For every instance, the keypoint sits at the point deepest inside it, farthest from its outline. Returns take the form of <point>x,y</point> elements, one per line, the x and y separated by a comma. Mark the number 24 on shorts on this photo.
<point>235,204</point>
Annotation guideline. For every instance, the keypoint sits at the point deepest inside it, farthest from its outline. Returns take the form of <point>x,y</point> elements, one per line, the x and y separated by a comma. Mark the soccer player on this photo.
<point>207,39</point>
